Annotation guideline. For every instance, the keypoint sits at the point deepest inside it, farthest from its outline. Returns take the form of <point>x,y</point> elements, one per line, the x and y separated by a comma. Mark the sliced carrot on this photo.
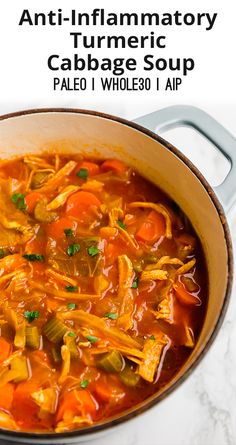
<point>103,391</point>
<point>75,401</point>
<point>6,396</point>
<point>68,404</point>
<point>31,200</point>
<point>115,165</point>
<point>152,228</point>
<point>108,232</point>
<point>3,175</point>
<point>87,400</point>
<point>184,296</point>
<point>23,406</point>
<point>5,350</point>
<point>108,388</point>
<point>56,229</point>
<point>80,202</point>
<point>24,389</point>
<point>92,168</point>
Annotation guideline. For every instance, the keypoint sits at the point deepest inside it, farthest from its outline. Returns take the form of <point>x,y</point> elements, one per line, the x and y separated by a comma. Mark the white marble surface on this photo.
<point>203,410</point>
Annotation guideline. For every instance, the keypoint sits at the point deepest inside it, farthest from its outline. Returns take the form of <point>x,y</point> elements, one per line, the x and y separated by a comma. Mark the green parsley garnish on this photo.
<point>152,337</point>
<point>92,250</point>
<point>19,200</point>
<point>82,173</point>
<point>84,384</point>
<point>135,283</point>
<point>71,334</point>
<point>71,288</point>
<point>72,249</point>
<point>68,232</point>
<point>92,338</point>
<point>71,306</point>
<point>31,315</point>
<point>121,224</point>
<point>2,253</point>
<point>33,257</point>
<point>111,315</point>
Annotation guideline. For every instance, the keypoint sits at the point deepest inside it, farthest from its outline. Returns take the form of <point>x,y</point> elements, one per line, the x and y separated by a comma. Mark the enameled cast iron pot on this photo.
<point>108,136</point>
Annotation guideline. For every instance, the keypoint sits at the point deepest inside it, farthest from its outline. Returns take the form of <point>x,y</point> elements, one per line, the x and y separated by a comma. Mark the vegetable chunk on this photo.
<point>152,350</point>
<point>125,293</point>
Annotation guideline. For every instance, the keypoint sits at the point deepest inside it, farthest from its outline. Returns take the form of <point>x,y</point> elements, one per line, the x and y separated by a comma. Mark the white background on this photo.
<point>25,80</point>
<point>203,410</point>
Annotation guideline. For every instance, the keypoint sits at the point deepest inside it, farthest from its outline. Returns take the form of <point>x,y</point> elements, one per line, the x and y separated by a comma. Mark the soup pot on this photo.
<point>101,135</point>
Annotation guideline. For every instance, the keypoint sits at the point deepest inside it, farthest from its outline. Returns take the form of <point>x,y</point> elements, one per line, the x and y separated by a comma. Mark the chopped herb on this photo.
<point>71,306</point>
<point>72,249</point>
<point>71,334</point>
<point>92,338</point>
<point>31,315</point>
<point>92,250</point>
<point>68,232</point>
<point>71,288</point>
<point>19,200</point>
<point>82,173</point>
<point>135,283</point>
<point>121,224</point>
<point>111,315</point>
<point>2,253</point>
<point>84,384</point>
<point>33,257</point>
<point>152,337</point>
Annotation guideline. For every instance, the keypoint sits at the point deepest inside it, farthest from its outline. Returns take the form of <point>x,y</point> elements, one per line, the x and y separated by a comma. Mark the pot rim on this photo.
<point>146,404</point>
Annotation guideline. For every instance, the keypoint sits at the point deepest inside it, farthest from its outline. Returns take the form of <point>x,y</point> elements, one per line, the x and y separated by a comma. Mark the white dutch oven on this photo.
<point>108,136</point>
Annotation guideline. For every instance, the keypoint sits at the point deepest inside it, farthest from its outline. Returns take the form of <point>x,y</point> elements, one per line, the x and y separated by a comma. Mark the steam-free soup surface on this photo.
<point>103,290</point>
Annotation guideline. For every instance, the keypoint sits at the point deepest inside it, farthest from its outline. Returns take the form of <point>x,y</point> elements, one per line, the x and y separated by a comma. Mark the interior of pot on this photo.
<point>104,137</point>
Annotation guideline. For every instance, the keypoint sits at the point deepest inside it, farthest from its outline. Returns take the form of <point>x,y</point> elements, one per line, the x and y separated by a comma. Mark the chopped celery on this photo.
<point>56,354</point>
<point>112,361</point>
<point>42,214</point>
<point>19,366</point>
<point>128,376</point>
<point>20,338</point>
<point>32,337</point>
<point>55,330</point>
<point>39,178</point>
<point>71,344</point>
<point>138,265</point>
<point>151,259</point>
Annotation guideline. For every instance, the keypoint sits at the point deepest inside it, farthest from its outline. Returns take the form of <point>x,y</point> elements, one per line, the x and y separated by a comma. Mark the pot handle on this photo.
<point>185,115</point>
